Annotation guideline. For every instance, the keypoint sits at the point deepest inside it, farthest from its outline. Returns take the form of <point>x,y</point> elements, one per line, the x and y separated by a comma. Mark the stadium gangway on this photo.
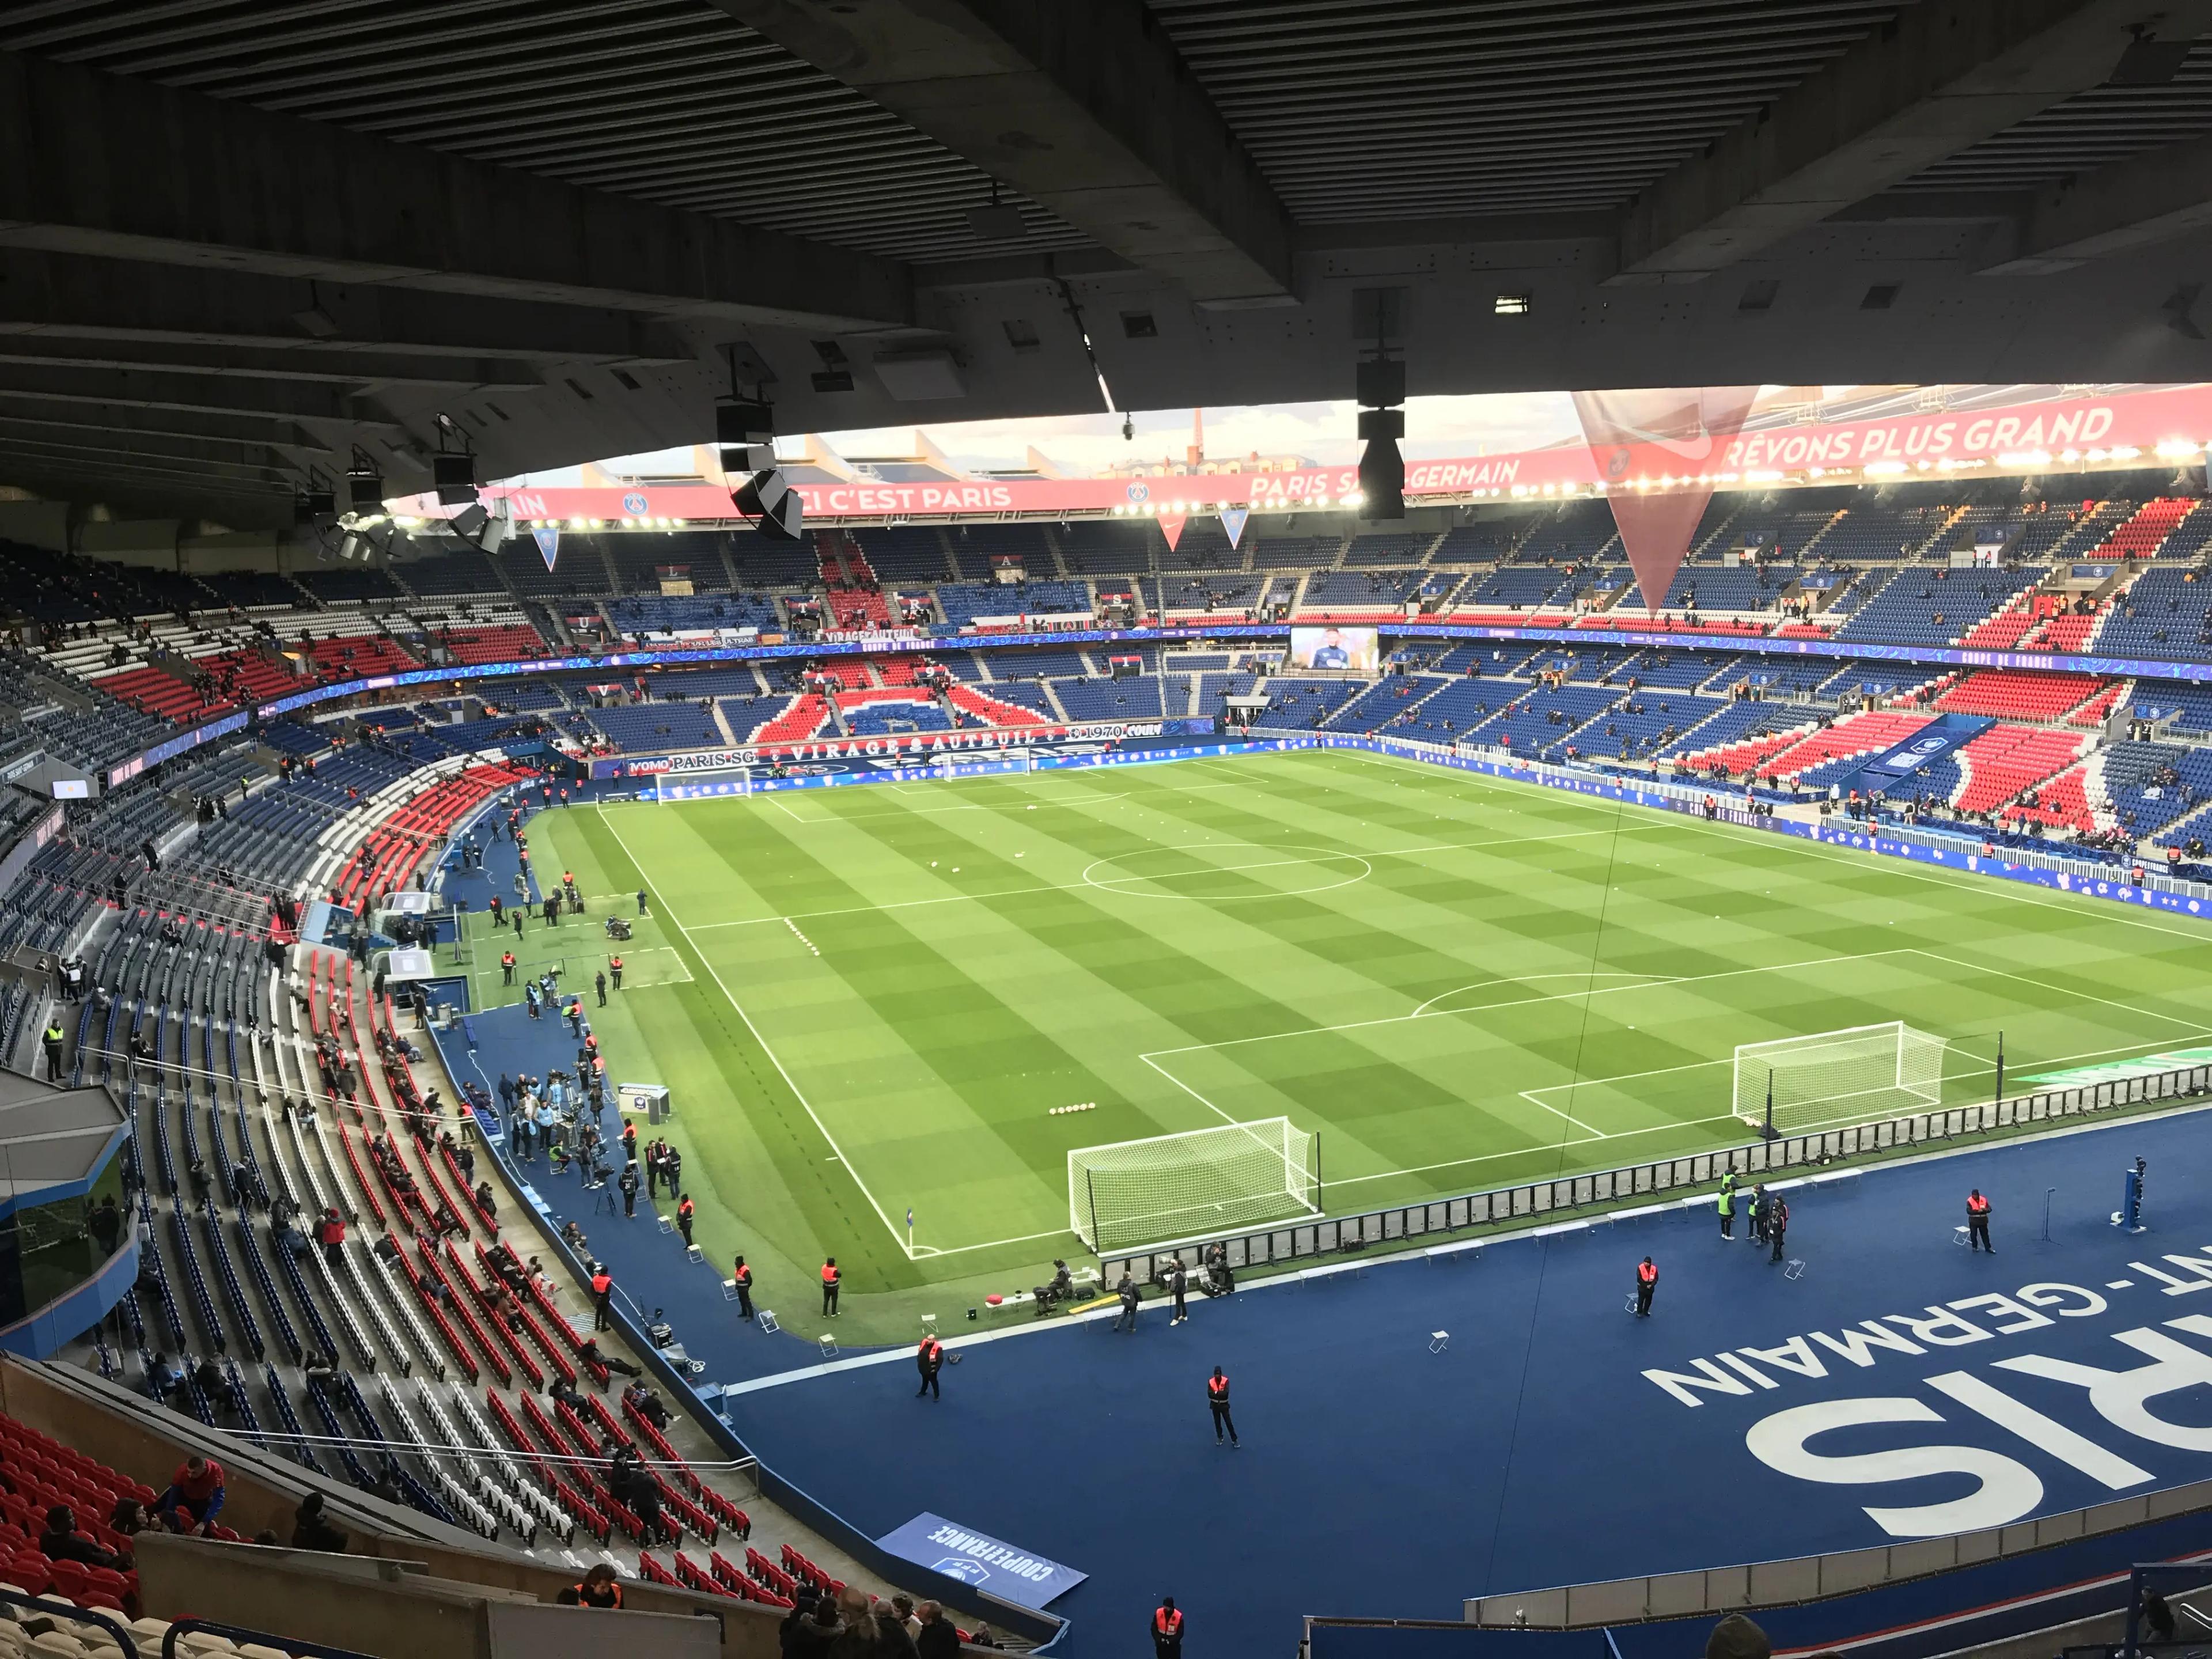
<point>479,1483</point>
<point>517,1479</point>
<point>393,1348</point>
<point>478,1518</point>
<point>250,1247</point>
<point>233,1290</point>
<point>246,1421</point>
<point>424,1346</point>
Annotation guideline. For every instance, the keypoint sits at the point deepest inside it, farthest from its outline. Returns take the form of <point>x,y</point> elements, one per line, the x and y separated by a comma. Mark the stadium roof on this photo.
<point>241,240</point>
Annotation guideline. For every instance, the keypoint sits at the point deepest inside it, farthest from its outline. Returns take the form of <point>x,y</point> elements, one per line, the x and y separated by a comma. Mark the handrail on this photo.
<point>292,1644</point>
<point>70,1610</point>
<point>1701,1591</point>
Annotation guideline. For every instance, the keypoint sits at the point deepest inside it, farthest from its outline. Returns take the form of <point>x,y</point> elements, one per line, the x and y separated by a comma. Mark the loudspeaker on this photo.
<point>456,479</point>
<point>771,503</point>
<point>365,490</point>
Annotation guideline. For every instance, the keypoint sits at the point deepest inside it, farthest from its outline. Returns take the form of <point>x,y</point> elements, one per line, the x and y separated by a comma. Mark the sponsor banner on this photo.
<point>450,679</point>
<point>918,748</point>
<point>2008,439</point>
<point>2119,1071</point>
<point>1008,1572</point>
<point>1927,746</point>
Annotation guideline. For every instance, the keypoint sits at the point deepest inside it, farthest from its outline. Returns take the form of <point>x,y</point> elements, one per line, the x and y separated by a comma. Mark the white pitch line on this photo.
<point>2061,990</point>
<point>1169,846</point>
<point>660,901</point>
<point>1938,876</point>
<point>1523,1002</point>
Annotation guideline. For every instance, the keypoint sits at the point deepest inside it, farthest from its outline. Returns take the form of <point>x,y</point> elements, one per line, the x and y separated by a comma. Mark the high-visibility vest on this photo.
<point>742,1277</point>
<point>1646,1273</point>
<point>1216,1389</point>
<point>585,1593</point>
<point>1168,1622</point>
<point>828,1273</point>
<point>684,1209</point>
<point>601,1283</point>
<point>1978,1206</point>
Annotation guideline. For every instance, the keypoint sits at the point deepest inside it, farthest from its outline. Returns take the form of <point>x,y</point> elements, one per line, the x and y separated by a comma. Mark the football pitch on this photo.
<point>868,1001</point>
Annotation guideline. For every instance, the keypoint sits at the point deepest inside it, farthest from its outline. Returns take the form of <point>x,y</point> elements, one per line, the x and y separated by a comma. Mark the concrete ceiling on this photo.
<point>242,240</point>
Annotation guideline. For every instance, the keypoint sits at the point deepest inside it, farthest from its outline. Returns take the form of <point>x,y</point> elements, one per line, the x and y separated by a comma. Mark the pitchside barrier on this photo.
<point>1436,1220</point>
<point>1712,1591</point>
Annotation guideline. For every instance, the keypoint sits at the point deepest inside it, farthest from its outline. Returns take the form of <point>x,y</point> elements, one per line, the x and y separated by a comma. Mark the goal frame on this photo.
<point>1299,1189</point>
<point>1751,1096</point>
<point>946,765</point>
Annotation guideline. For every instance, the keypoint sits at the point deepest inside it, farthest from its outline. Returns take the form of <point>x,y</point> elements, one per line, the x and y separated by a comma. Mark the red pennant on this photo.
<point>1171,526</point>
<point>1676,438</point>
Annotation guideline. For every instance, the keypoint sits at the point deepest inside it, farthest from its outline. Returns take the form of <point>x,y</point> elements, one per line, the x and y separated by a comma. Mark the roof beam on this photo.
<point>307,364</point>
<point>1945,74</point>
<point>99,164</point>
<point>2118,209</point>
<point>246,433</point>
<point>271,401</point>
<point>85,298</point>
<point>1086,109</point>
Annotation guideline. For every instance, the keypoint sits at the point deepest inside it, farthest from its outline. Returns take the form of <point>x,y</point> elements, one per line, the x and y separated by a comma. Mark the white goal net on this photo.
<point>1828,1078</point>
<point>982,762</point>
<point>1203,1180</point>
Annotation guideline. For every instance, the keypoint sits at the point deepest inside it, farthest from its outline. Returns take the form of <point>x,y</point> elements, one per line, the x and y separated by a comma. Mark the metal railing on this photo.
<point>1708,1590</point>
<point>1437,1221</point>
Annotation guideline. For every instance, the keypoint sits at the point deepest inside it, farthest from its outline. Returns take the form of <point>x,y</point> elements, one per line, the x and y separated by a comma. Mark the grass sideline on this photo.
<point>888,989</point>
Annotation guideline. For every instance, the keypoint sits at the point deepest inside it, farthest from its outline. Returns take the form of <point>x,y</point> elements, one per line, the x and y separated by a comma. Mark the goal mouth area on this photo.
<point>1226,1178</point>
<point>1829,1078</point>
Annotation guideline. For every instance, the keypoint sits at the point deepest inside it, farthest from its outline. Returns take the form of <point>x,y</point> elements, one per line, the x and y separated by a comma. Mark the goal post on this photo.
<point>982,762</point>
<point>1826,1077</point>
<point>1202,1181</point>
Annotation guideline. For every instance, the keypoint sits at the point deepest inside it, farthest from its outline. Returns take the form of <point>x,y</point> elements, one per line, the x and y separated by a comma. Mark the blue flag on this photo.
<point>548,538</point>
<point>1232,520</point>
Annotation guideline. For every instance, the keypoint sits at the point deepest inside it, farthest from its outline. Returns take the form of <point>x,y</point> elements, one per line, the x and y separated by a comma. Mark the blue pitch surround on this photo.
<point>1378,1479</point>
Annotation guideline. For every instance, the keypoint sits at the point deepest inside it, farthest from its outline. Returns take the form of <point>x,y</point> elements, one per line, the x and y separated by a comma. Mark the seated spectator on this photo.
<point>647,1404</point>
<point>62,1541</point>
<point>590,1354</point>
<point>938,1639</point>
<point>129,1517</point>
<point>194,1497</point>
<point>310,1531</point>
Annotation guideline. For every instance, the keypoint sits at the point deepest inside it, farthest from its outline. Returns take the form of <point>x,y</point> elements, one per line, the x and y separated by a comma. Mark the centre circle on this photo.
<point>1327,869</point>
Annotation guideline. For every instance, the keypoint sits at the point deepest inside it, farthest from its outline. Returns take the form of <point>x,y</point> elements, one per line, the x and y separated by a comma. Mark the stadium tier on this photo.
<point>238,914</point>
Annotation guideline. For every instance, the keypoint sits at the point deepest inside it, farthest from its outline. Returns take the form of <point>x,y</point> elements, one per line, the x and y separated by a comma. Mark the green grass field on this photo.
<point>866,999</point>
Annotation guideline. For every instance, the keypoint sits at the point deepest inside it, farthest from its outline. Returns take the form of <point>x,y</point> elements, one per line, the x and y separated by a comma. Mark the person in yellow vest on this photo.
<point>52,1041</point>
<point>829,1278</point>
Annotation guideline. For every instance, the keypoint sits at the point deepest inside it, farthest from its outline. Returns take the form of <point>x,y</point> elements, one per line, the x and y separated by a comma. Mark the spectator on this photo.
<point>194,1497</point>
<point>310,1531</point>
<point>1736,1637</point>
<point>937,1638</point>
<point>62,1541</point>
<point>129,1517</point>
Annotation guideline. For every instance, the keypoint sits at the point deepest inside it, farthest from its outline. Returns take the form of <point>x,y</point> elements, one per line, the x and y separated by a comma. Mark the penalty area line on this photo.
<point>660,903</point>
